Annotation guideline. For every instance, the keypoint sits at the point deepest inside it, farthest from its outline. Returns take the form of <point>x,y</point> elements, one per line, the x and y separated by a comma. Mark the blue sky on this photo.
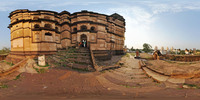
<point>164,23</point>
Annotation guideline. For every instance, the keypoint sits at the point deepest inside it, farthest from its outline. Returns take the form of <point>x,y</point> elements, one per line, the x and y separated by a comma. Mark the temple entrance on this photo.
<point>83,40</point>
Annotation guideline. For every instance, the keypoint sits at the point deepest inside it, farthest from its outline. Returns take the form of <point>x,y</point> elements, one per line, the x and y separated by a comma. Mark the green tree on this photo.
<point>147,47</point>
<point>182,52</point>
<point>5,50</point>
<point>132,49</point>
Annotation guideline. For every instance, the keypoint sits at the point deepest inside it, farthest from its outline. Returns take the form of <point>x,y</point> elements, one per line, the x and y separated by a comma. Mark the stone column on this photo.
<point>41,60</point>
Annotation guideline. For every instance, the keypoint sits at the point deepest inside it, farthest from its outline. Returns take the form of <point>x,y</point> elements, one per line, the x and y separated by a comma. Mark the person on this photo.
<point>84,43</point>
<point>80,44</point>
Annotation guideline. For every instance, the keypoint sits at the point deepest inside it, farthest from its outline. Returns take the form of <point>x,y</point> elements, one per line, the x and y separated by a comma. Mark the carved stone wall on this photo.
<point>44,32</point>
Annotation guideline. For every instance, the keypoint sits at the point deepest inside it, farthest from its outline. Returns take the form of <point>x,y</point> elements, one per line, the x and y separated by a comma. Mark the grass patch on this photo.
<point>172,62</point>
<point>9,63</point>
<point>127,86</point>
<point>81,70</point>
<point>3,86</point>
<point>132,78</point>
<point>132,54</point>
<point>17,77</point>
<point>186,63</point>
<point>126,55</point>
<point>179,88</point>
<point>103,71</point>
<point>192,86</point>
<point>40,71</point>
<point>47,65</point>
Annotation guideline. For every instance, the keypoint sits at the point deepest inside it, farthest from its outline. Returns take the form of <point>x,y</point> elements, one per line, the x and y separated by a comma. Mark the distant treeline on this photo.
<point>5,50</point>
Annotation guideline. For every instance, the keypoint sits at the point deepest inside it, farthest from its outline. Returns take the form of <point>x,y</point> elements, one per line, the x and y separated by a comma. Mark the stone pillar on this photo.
<point>41,60</point>
<point>194,51</point>
<point>162,50</point>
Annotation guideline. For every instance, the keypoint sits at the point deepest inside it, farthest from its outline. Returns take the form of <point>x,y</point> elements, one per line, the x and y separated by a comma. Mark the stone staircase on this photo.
<point>79,59</point>
<point>129,76</point>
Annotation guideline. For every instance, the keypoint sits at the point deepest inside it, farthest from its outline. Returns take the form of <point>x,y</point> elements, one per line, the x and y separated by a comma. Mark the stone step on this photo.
<point>131,72</point>
<point>131,76</point>
<point>79,56</point>
<point>79,66</point>
<point>78,60</point>
<point>134,83</point>
<point>128,79</point>
<point>82,63</point>
<point>71,54</point>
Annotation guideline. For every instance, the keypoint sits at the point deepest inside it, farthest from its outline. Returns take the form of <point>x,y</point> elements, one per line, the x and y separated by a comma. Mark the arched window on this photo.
<point>83,27</point>
<point>75,29</point>
<point>36,26</point>
<point>47,26</point>
<point>92,28</point>
<point>48,34</point>
<point>48,37</point>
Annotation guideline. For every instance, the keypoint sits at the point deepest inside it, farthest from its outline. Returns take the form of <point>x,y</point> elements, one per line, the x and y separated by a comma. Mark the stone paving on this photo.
<point>129,76</point>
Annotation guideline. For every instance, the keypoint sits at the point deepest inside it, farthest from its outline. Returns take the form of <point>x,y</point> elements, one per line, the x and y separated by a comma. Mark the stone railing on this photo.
<point>186,58</point>
<point>96,67</point>
<point>14,67</point>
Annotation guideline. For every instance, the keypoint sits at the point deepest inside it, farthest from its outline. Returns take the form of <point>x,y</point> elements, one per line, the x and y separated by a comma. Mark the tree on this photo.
<point>147,47</point>
<point>132,49</point>
<point>5,50</point>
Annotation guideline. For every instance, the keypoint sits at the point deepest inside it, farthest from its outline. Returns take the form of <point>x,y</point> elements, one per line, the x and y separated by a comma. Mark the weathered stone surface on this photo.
<point>33,34</point>
<point>28,68</point>
<point>176,80</point>
<point>41,60</point>
<point>156,76</point>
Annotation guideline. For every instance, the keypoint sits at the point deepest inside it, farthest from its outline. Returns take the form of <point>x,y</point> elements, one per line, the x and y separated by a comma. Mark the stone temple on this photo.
<point>41,32</point>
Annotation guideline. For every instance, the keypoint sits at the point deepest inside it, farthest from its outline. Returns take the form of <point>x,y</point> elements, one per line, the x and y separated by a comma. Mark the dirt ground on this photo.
<point>146,56</point>
<point>62,84</point>
<point>174,67</point>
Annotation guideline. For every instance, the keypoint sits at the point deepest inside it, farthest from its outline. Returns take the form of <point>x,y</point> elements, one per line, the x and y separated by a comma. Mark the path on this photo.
<point>129,78</point>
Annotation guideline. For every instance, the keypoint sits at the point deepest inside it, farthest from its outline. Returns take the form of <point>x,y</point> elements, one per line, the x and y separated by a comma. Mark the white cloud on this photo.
<point>6,6</point>
<point>140,16</point>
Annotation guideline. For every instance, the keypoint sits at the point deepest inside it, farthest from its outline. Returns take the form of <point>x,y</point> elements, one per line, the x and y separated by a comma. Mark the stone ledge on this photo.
<point>161,78</point>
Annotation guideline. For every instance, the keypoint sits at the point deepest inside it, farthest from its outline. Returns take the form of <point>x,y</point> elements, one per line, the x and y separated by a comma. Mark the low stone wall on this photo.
<point>3,57</point>
<point>106,54</point>
<point>102,54</point>
<point>186,58</point>
<point>14,67</point>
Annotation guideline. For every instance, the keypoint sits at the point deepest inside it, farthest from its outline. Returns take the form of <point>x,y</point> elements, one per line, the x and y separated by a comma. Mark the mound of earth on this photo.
<point>175,68</point>
<point>4,66</point>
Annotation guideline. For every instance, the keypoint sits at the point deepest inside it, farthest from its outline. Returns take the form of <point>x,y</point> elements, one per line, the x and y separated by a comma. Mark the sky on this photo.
<point>167,23</point>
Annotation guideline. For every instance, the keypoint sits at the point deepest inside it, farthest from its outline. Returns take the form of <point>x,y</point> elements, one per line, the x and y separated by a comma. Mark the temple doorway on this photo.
<point>83,40</point>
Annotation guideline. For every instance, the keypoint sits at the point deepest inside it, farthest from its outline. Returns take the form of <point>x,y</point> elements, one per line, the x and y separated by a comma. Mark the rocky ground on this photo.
<point>127,82</point>
<point>4,66</point>
<point>174,67</point>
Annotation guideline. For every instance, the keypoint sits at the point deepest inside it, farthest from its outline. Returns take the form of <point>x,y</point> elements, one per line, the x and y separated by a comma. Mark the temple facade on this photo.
<point>45,32</point>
